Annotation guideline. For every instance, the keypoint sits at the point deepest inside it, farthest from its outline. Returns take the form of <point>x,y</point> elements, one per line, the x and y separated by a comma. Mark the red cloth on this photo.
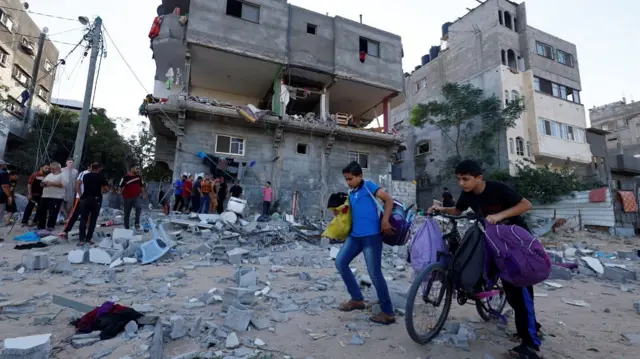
<point>186,189</point>
<point>84,324</point>
<point>598,195</point>
<point>131,185</point>
<point>628,201</point>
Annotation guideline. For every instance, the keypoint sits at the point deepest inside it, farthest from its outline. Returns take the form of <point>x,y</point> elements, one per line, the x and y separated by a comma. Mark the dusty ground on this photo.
<point>571,332</point>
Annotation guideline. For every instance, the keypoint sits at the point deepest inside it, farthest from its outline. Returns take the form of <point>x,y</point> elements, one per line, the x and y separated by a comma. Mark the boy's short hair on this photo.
<point>446,189</point>
<point>353,168</point>
<point>469,168</point>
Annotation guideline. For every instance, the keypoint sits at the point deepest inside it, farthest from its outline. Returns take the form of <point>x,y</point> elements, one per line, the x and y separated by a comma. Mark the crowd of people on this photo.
<point>203,195</point>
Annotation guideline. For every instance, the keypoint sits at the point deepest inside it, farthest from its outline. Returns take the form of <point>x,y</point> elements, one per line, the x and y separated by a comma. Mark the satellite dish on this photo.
<point>45,30</point>
<point>25,5</point>
<point>83,20</point>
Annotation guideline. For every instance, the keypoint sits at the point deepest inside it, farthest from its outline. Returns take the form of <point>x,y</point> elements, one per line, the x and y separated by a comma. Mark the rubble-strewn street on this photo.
<point>270,290</point>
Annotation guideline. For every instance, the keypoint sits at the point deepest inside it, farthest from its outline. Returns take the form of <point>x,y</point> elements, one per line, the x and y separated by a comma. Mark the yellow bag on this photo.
<point>340,226</point>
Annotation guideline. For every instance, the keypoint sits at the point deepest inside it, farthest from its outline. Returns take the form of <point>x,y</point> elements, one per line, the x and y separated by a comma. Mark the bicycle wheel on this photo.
<point>495,303</point>
<point>420,291</point>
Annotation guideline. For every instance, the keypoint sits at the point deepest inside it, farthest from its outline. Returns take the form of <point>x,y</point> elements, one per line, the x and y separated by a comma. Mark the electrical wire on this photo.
<point>95,87</point>
<point>34,37</point>
<point>38,13</point>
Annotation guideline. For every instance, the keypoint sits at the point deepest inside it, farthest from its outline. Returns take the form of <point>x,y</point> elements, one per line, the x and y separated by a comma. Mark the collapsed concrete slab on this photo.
<point>99,256</point>
<point>32,347</point>
<point>78,256</point>
<point>35,260</point>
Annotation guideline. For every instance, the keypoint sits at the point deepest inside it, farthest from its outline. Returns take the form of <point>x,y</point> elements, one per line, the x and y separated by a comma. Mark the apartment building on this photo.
<point>622,120</point>
<point>18,45</point>
<point>494,48</point>
<point>321,78</point>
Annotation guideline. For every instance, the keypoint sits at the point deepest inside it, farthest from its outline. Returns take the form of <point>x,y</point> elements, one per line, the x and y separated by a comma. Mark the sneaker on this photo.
<point>351,305</point>
<point>523,351</point>
<point>383,318</point>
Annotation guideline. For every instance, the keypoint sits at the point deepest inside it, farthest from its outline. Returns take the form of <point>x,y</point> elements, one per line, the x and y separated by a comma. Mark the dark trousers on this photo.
<point>35,199</point>
<point>220,207</point>
<point>521,300</point>
<point>195,203</point>
<point>75,213</point>
<point>178,202</point>
<point>47,213</point>
<point>90,208</point>
<point>266,205</point>
<point>129,204</point>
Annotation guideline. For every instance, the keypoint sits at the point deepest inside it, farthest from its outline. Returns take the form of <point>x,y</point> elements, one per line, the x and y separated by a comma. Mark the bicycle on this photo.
<point>443,270</point>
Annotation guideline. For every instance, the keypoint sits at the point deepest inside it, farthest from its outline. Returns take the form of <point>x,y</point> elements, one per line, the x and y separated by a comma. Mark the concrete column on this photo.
<point>323,106</point>
<point>385,114</point>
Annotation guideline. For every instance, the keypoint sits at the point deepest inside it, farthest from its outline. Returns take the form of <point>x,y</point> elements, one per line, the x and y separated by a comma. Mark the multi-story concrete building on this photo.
<point>18,45</point>
<point>494,48</point>
<point>303,66</point>
<point>622,120</point>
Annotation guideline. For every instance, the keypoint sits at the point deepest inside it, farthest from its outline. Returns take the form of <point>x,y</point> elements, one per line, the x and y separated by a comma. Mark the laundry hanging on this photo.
<point>598,195</point>
<point>170,77</point>
<point>628,200</point>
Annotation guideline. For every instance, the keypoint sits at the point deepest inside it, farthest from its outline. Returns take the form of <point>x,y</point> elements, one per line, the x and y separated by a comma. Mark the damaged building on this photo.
<point>269,91</point>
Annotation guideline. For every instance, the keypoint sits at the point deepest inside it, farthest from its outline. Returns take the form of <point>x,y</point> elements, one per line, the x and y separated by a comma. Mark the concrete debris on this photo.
<point>232,341</point>
<point>238,319</point>
<point>636,306</point>
<point>594,264</point>
<point>78,256</point>
<point>99,256</point>
<point>178,327</point>
<point>34,346</point>
<point>131,327</point>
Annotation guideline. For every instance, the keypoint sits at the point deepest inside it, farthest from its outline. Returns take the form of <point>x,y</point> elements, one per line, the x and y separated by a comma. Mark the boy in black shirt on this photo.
<point>91,201</point>
<point>498,203</point>
<point>447,198</point>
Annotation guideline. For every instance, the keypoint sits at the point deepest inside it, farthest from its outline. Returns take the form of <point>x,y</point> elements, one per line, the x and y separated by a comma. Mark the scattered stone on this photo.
<point>34,346</point>
<point>78,256</point>
<point>238,319</point>
<point>562,273</point>
<point>99,256</point>
<point>304,276</point>
<point>194,305</point>
<point>178,328</point>
<point>92,281</point>
<point>618,275</point>
<point>264,260</point>
<point>333,252</point>
<point>248,280</point>
<point>232,341</point>
<point>259,342</point>
<point>116,263</point>
<point>356,339</point>
<point>35,260</point>
<point>128,260</point>
<point>143,308</point>
<point>194,331</point>
<point>63,267</point>
<point>633,338</point>
<point>261,323</point>
<point>131,327</point>
<point>81,343</point>
<point>594,264</point>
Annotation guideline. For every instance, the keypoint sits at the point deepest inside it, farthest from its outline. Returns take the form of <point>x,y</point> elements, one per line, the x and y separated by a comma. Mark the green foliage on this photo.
<point>544,184</point>
<point>464,103</point>
<point>143,147</point>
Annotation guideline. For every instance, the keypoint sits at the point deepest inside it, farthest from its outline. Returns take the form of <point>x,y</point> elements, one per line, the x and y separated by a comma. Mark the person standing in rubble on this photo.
<point>12,207</point>
<point>177,191</point>
<point>196,195</point>
<point>222,195</point>
<point>186,193</point>
<point>5,194</point>
<point>34,192</point>
<point>94,185</point>
<point>76,210</point>
<point>69,176</point>
<point>267,198</point>
<point>213,196</point>
<point>205,199</point>
<point>133,188</point>
<point>236,190</point>
<point>366,237</point>
<point>53,195</point>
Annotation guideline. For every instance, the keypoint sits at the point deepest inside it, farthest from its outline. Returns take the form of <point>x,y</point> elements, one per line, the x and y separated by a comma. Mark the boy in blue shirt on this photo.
<point>366,237</point>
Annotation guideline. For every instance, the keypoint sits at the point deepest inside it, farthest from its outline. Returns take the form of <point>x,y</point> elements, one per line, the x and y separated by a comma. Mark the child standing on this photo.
<point>267,198</point>
<point>498,203</point>
<point>12,207</point>
<point>366,237</point>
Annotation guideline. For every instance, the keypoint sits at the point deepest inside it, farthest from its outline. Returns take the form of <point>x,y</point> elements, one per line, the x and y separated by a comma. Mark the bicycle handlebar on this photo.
<point>470,215</point>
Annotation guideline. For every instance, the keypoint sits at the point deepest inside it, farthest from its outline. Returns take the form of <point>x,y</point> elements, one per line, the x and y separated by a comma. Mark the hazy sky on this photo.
<point>608,54</point>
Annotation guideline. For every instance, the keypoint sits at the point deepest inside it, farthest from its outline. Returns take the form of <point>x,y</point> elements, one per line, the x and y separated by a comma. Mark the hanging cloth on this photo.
<point>598,195</point>
<point>628,200</point>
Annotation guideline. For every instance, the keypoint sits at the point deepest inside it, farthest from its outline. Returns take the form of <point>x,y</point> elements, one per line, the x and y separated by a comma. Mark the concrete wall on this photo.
<point>403,191</point>
<point>623,121</point>
<point>599,168</point>
<point>292,173</point>
<point>593,214</point>
<point>307,50</point>
<point>551,69</point>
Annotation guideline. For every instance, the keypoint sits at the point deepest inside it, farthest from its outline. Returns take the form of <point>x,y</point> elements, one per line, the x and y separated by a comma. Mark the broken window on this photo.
<point>20,76</point>
<point>301,148</point>
<point>5,20</point>
<point>511,59</point>
<point>28,47</point>
<point>4,57</point>
<point>507,19</point>
<point>422,83</point>
<point>243,10</point>
<point>229,145</point>
<point>311,29</point>
<point>370,47</point>
<point>503,56</point>
<point>565,58</point>
<point>544,50</point>
<point>43,93</point>
<point>423,148</point>
<point>361,158</point>
<point>519,146</point>
<point>400,156</point>
<point>500,17</point>
<point>572,95</point>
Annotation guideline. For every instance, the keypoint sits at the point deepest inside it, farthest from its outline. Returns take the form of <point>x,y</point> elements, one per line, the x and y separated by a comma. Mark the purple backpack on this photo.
<point>520,258</point>
<point>426,244</point>
<point>401,220</point>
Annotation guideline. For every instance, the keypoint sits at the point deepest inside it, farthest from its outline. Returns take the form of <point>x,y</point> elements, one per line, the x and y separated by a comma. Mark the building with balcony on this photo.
<point>494,48</point>
<point>273,92</point>
<point>622,121</point>
<point>18,45</point>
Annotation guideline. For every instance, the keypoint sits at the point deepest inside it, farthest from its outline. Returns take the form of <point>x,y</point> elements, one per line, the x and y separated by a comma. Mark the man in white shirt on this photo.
<point>75,211</point>
<point>52,196</point>
<point>69,177</point>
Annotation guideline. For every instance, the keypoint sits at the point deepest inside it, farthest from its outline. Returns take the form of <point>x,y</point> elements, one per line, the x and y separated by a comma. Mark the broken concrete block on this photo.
<point>202,248</point>
<point>194,305</point>
<point>248,280</point>
<point>264,260</point>
<point>131,327</point>
<point>636,306</point>
<point>50,240</point>
<point>259,342</point>
<point>261,323</point>
<point>117,263</point>
<point>232,341</point>
<point>618,275</point>
<point>35,260</point>
<point>80,343</point>
<point>99,256</point>
<point>121,233</point>
<point>558,272</point>
<point>78,256</point>
<point>34,346</point>
<point>333,252</point>
<point>594,264</point>
<point>194,331</point>
<point>242,295</point>
<point>235,255</point>
<point>178,327</point>
<point>128,260</point>
<point>106,243</point>
<point>238,319</point>
<point>63,267</point>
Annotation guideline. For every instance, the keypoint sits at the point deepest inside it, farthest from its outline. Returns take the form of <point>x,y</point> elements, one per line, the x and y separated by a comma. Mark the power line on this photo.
<point>38,13</point>
<point>36,37</point>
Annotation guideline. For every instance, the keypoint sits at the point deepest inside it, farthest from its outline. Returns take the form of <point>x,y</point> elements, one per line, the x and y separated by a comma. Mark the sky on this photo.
<point>608,55</point>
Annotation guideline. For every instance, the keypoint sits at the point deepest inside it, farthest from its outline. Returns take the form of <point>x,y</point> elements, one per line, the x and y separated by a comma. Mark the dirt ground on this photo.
<point>576,332</point>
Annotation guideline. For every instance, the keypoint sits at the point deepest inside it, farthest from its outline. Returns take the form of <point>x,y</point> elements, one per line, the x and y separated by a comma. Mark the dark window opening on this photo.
<point>301,148</point>
<point>370,47</point>
<point>507,19</point>
<point>612,139</point>
<point>311,29</point>
<point>547,128</point>
<point>565,58</point>
<point>504,57</point>
<point>243,10</point>
<point>511,59</point>
<point>519,146</point>
<point>515,24</point>
<point>500,17</point>
<point>423,148</point>
<point>361,158</point>
<point>553,89</point>
<point>544,50</point>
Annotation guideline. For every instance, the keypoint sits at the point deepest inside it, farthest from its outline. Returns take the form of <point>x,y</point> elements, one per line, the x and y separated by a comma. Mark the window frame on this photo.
<point>421,84</point>
<point>4,18</point>
<point>568,58</point>
<point>231,138</point>
<point>242,5</point>
<point>544,46</point>
<point>420,144</point>
<point>357,158</point>
<point>369,42</point>
<point>48,64</point>
<point>46,91</point>
<point>306,148</point>
<point>520,148</point>
<point>4,57</point>
<point>314,27</point>
<point>18,70</point>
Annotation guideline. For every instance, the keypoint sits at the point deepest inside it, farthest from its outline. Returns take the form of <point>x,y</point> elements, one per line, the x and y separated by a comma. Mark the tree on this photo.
<point>458,116</point>
<point>143,146</point>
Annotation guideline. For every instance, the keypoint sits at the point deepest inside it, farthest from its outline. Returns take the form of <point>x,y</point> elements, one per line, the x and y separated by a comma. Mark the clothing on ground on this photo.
<point>131,185</point>
<point>364,210</point>
<point>110,319</point>
<point>51,191</point>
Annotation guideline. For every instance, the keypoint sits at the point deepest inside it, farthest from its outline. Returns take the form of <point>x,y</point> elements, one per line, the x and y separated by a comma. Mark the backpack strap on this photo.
<point>375,200</point>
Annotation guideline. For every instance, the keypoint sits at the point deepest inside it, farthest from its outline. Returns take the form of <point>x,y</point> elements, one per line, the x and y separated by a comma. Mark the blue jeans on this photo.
<point>205,200</point>
<point>371,246</point>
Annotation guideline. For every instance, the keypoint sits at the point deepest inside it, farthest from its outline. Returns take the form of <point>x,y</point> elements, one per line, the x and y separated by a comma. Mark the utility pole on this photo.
<point>34,79</point>
<point>86,105</point>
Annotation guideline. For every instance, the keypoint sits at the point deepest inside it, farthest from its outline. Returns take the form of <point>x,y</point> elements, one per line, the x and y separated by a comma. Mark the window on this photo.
<point>21,76</point>
<point>528,148</point>
<point>4,57</point>
<point>503,56</point>
<point>243,10</point>
<point>536,83</point>
<point>507,19</point>
<point>48,66</point>
<point>506,97</point>
<point>43,93</point>
<point>565,58</point>
<point>422,83</point>
<point>5,19</point>
<point>553,89</point>
<point>28,47</point>
<point>514,95</point>
<point>400,156</point>
<point>519,146</point>
<point>500,17</point>
<point>370,47</point>
<point>301,148</point>
<point>544,50</point>
<point>361,158</point>
<point>230,145</point>
<point>515,24</point>
<point>511,146</point>
<point>511,59</point>
<point>311,29</point>
<point>561,130</point>
<point>423,148</point>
